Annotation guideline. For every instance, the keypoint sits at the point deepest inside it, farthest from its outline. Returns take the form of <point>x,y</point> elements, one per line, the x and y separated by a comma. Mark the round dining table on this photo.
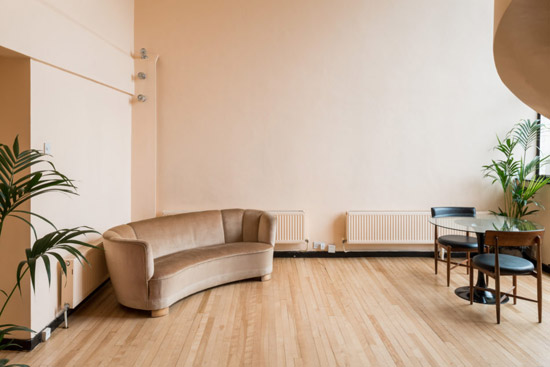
<point>479,225</point>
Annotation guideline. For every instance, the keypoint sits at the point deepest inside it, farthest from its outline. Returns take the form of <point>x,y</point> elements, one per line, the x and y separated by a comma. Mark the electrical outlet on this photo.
<point>331,248</point>
<point>46,333</point>
<point>47,148</point>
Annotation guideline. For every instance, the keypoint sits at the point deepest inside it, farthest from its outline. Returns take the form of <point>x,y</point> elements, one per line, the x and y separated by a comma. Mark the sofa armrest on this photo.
<point>131,266</point>
<point>267,228</point>
<point>130,256</point>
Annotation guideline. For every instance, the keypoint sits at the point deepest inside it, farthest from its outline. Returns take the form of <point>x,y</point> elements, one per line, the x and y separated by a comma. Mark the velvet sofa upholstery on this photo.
<point>155,262</point>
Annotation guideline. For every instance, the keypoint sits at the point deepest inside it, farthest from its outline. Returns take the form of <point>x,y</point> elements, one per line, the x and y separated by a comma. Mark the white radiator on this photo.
<point>291,230</point>
<point>290,226</point>
<point>83,279</point>
<point>387,227</point>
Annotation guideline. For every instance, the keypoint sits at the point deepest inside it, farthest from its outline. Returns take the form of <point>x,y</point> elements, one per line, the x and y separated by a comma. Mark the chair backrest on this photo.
<point>506,239</point>
<point>453,211</point>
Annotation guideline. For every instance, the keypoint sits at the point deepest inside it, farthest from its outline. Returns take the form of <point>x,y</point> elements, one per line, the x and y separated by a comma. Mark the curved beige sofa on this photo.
<point>154,263</point>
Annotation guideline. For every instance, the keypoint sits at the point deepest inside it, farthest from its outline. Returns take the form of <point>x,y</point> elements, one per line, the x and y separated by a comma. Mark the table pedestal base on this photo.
<point>484,297</point>
<point>479,296</point>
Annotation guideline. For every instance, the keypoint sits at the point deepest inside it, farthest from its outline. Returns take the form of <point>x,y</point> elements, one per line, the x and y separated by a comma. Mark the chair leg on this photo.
<point>497,295</point>
<point>471,283</point>
<point>436,256</point>
<point>468,262</point>
<point>539,294</point>
<point>448,254</point>
<point>515,285</point>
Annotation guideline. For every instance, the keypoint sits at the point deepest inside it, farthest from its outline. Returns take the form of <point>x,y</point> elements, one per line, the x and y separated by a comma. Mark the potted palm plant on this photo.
<point>516,170</point>
<point>24,175</point>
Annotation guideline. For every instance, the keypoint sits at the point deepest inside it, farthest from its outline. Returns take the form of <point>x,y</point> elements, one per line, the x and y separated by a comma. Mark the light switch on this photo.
<point>47,148</point>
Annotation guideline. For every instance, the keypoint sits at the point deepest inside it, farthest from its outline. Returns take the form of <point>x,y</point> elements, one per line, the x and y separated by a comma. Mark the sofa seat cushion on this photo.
<point>181,274</point>
<point>169,265</point>
<point>459,241</point>
<point>509,265</point>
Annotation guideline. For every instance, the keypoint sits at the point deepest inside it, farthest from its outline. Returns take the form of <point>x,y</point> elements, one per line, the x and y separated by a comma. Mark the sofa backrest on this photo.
<point>174,233</point>
<point>241,225</point>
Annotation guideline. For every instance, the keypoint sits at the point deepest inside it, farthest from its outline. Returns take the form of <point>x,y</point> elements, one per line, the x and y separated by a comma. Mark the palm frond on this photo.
<point>51,244</point>
<point>21,180</point>
<point>7,330</point>
<point>525,133</point>
<point>3,363</point>
<point>18,186</point>
<point>515,175</point>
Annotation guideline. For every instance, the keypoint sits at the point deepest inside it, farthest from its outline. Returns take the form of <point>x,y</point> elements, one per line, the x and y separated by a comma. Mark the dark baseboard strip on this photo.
<point>29,344</point>
<point>545,267</point>
<point>324,254</point>
<point>340,254</point>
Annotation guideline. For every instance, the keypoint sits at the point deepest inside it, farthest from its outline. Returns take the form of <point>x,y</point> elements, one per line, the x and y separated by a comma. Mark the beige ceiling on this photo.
<point>522,50</point>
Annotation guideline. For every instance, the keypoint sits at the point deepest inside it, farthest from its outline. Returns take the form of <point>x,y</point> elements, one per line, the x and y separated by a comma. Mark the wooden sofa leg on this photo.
<point>266,277</point>
<point>161,312</point>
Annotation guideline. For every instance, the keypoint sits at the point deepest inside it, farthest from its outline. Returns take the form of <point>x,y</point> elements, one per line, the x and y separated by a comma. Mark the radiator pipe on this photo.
<point>65,315</point>
<point>66,319</point>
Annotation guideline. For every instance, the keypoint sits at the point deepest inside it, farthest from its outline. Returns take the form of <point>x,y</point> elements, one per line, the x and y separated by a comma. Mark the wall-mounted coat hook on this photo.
<point>143,53</point>
<point>142,75</point>
<point>141,98</point>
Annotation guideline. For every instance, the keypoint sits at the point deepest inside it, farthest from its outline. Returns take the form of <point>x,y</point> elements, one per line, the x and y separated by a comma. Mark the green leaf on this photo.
<point>5,330</point>
<point>19,274</point>
<point>50,243</point>
<point>18,185</point>
<point>46,260</point>
<point>16,146</point>
<point>514,172</point>
<point>26,221</point>
<point>32,268</point>
<point>61,262</point>
<point>36,215</point>
<point>24,175</point>
<point>4,361</point>
<point>6,153</point>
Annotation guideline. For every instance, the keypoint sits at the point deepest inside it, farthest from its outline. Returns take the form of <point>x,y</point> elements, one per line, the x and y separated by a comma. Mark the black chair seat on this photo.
<point>458,241</point>
<point>509,265</point>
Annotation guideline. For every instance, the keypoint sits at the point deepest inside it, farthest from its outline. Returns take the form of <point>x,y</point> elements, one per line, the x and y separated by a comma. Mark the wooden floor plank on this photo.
<point>314,312</point>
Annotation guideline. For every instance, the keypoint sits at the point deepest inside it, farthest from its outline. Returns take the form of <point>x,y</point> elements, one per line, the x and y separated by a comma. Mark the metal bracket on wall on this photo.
<point>144,134</point>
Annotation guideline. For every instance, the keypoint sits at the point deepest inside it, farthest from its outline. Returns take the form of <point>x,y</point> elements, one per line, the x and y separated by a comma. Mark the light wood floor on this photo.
<point>314,312</point>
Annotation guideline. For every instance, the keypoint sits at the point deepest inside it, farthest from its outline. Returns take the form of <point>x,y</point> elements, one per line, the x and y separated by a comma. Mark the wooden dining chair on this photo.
<point>496,265</point>
<point>453,243</point>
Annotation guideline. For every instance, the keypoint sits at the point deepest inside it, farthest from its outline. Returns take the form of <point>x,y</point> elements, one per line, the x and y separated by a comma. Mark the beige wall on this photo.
<point>92,38</point>
<point>15,120</point>
<point>325,106</point>
<point>144,141</point>
<point>81,84</point>
<point>89,129</point>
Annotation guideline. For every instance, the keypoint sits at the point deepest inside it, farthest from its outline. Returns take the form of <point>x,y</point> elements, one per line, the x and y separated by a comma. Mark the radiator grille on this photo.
<point>290,226</point>
<point>383,227</point>
<point>83,279</point>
